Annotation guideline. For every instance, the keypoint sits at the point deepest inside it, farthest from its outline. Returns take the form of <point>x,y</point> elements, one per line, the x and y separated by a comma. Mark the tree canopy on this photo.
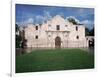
<point>89,32</point>
<point>18,37</point>
<point>17,27</point>
<point>72,20</point>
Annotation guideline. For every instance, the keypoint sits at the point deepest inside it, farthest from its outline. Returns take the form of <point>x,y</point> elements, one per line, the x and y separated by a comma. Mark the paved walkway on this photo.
<point>91,50</point>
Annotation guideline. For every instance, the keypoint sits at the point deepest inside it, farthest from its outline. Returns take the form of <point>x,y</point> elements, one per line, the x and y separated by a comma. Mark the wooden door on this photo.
<point>57,42</point>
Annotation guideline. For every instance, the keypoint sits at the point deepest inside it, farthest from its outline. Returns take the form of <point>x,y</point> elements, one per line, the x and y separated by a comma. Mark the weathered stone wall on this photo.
<point>47,33</point>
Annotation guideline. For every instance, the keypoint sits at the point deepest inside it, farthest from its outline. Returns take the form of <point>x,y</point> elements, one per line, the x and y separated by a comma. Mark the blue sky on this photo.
<point>38,14</point>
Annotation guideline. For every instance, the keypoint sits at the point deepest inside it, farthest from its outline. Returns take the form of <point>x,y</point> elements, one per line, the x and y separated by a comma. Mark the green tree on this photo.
<point>72,20</point>
<point>17,28</point>
<point>87,31</point>
<point>92,32</point>
<point>18,37</point>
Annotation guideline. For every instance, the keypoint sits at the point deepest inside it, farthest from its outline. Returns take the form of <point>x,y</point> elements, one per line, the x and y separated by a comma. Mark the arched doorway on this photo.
<point>91,43</point>
<point>57,42</point>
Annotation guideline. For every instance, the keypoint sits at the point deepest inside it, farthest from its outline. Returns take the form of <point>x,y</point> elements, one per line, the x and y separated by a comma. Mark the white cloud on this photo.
<point>81,11</point>
<point>47,15</point>
<point>25,22</point>
<point>30,20</point>
<point>39,19</point>
<point>87,22</point>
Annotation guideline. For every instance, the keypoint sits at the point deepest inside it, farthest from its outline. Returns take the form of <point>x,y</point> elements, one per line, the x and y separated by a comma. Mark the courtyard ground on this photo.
<point>54,59</point>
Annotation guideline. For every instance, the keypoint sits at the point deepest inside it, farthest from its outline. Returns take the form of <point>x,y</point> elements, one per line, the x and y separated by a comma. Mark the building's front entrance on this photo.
<point>57,42</point>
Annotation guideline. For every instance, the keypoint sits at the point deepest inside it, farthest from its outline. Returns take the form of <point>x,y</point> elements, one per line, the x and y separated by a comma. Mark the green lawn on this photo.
<point>54,59</point>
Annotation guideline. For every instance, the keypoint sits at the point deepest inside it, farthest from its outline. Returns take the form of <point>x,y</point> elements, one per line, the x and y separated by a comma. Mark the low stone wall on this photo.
<point>64,44</point>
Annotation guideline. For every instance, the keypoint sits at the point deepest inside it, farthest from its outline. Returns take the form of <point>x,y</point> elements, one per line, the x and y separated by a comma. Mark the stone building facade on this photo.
<point>55,33</point>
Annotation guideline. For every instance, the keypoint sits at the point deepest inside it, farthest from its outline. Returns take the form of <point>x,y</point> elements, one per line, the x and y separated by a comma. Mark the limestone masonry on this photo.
<point>56,33</point>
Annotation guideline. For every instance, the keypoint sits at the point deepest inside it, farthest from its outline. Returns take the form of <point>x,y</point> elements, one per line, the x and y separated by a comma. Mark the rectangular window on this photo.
<point>77,37</point>
<point>36,37</point>
<point>58,27</point>
<point>36,27</point>
<point>66,25</point>
<point>76,28</point>
<point>49,25</point>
